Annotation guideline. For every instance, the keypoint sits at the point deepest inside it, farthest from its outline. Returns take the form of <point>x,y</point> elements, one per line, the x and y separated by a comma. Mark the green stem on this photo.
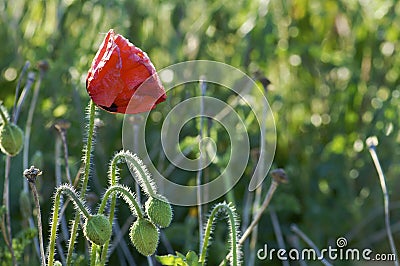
<point>87,155</point>
<point>127,196</point>
<point>113,181</point>
<point>142,174</point>
<point>231,215</point>
<point>144,181</point>
<point>3,116</point>
<point>70,192</point>
<point>129,199</point>
<point>93,255</point>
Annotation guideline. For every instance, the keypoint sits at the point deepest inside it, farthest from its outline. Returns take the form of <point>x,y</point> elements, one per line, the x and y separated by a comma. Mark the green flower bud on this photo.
<point>144,236</point>
<point>97,229</point>
<point>159,211</point>
<point>11,139</point>
<point>57,263</point>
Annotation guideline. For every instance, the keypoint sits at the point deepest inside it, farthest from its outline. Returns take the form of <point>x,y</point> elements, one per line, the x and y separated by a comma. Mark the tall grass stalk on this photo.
<point>372,142</point>
<point>199,176</point>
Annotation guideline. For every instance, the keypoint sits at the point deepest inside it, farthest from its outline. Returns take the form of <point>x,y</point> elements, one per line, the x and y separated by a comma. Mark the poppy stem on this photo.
<point>39,221</point>
<point>85,180</point>
<point>3,115</point>
<point>80,209</point>
<point>129,198</point>
<point>144,180</point>
<point>228,210</point>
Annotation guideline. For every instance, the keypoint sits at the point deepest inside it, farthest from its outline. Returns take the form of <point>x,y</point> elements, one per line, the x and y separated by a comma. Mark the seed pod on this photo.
<point>97,229</point>
<point>144,236</point>
<point>159,211</point>
<point>11,139</point>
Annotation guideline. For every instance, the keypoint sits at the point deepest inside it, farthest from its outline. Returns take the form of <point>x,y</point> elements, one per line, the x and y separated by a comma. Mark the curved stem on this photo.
<point>3,116</point>
<point>231,215</point>
<point>113,181</point>
<point>382,180</point>
<point>86,159</point>
<point>144,178</point>
<point>70,192</point>
<point>129,199</point>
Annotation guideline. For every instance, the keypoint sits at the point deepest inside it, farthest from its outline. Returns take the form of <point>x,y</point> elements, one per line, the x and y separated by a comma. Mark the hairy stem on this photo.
<point>3,116</point>
<point>257,217</point>
<point>85,180</point>
<point>39,221</point>
<point>231,215</point>
<point>70,192</point>
<point>144,181</point>
<point>142,174</point>
<point>129,198</point>
<point>126,194</point>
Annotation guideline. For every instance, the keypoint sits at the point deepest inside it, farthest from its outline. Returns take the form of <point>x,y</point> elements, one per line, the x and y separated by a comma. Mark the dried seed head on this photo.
<point>97,229</point>
<point>32,173</point>
<point>372,142</point>
<point>280,176</point>
<point>11,139</point>
<point>144,236</point>
<point>159,211</point>
<point>43,65</point>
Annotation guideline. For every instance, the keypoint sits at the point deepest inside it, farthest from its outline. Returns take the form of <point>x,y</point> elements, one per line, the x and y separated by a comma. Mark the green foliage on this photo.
<point>20,242</point>
<point>191,259</point>
<point>334,67</point>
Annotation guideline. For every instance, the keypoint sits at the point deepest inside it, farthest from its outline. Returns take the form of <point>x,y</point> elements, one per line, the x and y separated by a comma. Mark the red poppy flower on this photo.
<point>122,78</point>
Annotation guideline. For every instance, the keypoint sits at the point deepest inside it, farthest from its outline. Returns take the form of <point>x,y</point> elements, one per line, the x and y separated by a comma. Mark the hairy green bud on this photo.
<point>97,229</point>
<point>11,139</point>
<point>159,211</point>
<point>144,236</point>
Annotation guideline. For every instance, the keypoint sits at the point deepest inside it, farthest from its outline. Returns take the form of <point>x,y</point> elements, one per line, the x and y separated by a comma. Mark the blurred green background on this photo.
<point>334,68</point>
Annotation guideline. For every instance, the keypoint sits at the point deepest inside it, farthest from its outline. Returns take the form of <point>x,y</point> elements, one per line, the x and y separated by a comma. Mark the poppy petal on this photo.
<point>121,74</point>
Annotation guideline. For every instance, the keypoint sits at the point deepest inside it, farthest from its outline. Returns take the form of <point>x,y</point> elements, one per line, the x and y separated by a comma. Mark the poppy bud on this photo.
<point>11,139</point>
<point>159,211</point>
<point>122,78</point>
<point>144,236</point>
<point>97,229</point>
